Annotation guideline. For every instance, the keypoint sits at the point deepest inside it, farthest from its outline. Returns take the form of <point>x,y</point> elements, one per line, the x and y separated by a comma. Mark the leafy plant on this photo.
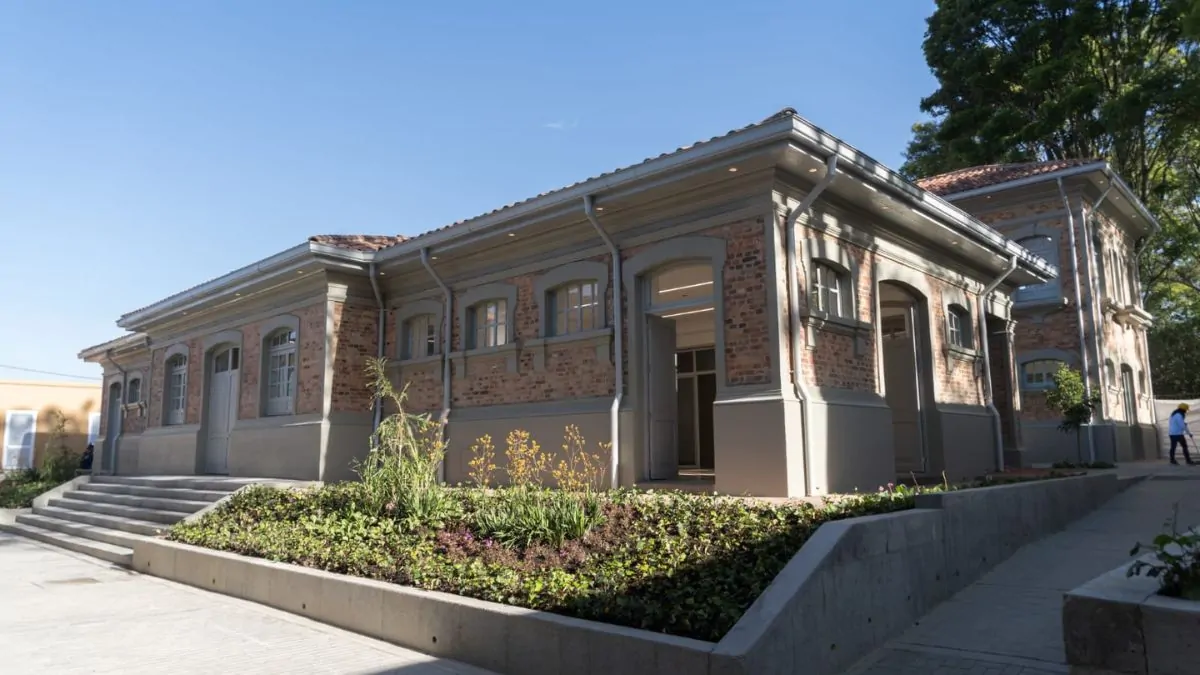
<point>400,473</point>
<point>483,461</point>
<point>60,461</point>
<point>523,516</point>
<point>1176,562</point>
<point>526,461</point>
<point>1069,398</point>
<point>579,471</point>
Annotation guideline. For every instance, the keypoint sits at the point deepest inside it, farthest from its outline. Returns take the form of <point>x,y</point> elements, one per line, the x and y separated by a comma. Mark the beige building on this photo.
<point>768,312</point>
<point>1081,216</point>
<point>27,412</point>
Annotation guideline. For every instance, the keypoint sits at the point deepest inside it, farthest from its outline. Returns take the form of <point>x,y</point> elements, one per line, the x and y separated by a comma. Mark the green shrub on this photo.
<point>400,473</point>
<point>523,516</point>
<point>1175,560</point>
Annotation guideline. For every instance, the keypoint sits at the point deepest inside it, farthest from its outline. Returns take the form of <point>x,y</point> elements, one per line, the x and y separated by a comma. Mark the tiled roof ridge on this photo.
<point>985,175</point>
<point>367,243</point>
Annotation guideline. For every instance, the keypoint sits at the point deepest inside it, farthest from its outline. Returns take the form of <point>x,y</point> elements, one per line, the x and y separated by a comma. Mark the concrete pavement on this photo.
<point>1009,622</point>
<point>63,613</point>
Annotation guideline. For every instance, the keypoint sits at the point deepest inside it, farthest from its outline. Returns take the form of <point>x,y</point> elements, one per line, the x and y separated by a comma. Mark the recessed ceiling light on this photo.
<point>886,208</point>
<point>382,273</point>
<point>237,295</point>
<point>299,271</point>
<point>733,169</point>
<point>184,313</point>
<point>512,234</point>
<point>599,208</point>
<point>813,170</point>
<point>954,243</point>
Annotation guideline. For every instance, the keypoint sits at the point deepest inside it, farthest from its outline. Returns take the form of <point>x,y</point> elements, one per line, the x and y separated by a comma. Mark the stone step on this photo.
<point>214,483</point>
<point>184,494</point>
<point>140,502</point>
<point>123,524</point>
<point>81,530</point>
<point>149,515</point>
<point>97,549</point>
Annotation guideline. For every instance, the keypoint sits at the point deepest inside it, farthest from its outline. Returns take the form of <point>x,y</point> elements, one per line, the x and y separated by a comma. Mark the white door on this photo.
<point>902,379</point>
<point>222,409</point>
<point>661,398</point>
<point>20,427</point>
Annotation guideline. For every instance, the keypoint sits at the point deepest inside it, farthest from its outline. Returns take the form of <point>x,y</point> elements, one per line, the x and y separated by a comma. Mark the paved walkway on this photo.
<point>1009,622</point>
<point>64,614</point>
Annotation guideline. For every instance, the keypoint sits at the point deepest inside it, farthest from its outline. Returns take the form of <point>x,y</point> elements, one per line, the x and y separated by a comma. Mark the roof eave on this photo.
<point>125,343</point>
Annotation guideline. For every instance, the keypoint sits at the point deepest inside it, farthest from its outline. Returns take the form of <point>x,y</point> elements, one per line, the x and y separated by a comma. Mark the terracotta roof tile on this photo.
<point>993,174</point>
<point>359,242</point>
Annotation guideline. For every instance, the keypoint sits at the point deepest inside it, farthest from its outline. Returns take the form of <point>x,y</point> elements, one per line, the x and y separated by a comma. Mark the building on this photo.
<point>27,418</point>
<point>791,318</point>
<point>1080,215</point>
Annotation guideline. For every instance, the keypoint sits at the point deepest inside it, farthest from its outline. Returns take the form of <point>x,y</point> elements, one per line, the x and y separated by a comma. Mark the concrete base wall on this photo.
<point>170,451</point>
<point>276,447</point>
<point>1118,625</point>
<point>851,443</point>
<point>757,446</point>
<point>857,583</point>
<point>967,441</point>
<point>1043,443</point>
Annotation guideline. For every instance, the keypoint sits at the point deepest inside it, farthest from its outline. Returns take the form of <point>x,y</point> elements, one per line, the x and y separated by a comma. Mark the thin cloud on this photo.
<point>561,125</point>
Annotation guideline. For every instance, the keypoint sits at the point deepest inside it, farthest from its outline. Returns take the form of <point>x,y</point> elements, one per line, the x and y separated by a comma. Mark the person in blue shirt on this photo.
<point>1177,426</point>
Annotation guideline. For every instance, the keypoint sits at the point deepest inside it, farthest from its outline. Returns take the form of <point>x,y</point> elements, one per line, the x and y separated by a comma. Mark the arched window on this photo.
<point>420,337</point>
<point>176,389</point>
<point>685,284</point>
<point>1142,382</point>
<point>575,308</point>
<point>830,292</point>
<point>958,327</point>
<point>1110,373</point>
<point>281,372</point>
<point>1046,248</point>
<point>134,391</point>
<point>1039,374</point>
<point>489,324</point>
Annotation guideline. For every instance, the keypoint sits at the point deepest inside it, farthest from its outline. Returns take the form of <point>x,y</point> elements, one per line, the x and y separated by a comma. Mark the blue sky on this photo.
<point>147,146</point>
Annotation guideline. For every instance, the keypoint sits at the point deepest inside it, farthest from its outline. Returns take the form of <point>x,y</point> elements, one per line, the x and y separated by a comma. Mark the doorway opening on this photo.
<point>681,374</point>
<point>1129,399</point>
<point>112,435</point>
<point>905,375</point>
<point>1003,396</point>
<point>221,408</point>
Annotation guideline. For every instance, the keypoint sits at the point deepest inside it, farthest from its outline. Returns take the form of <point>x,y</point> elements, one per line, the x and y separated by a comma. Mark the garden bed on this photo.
<point>683,564</point>
<point>18,489</point>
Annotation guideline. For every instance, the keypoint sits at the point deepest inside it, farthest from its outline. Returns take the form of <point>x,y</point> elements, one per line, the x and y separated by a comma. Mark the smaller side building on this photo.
<point>1080,215</point>
<point>28,411</point>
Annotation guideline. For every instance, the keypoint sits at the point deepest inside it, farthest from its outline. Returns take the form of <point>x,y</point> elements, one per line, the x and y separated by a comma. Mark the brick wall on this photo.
<point>835,359</point>
<point>155,388</point>
<point>748,353</point>
<point>353,341</point>
<point>195,381</point>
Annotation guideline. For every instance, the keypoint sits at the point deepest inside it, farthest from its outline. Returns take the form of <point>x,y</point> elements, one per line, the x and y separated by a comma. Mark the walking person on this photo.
<point>1177,426</point>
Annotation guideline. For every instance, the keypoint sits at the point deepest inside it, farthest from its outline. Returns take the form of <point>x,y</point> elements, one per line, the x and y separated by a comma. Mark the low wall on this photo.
<point>1114,625</point>
<point>849,589</point>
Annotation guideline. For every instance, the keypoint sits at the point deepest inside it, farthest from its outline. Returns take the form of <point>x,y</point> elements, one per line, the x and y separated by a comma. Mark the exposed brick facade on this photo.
<point>354,338</point>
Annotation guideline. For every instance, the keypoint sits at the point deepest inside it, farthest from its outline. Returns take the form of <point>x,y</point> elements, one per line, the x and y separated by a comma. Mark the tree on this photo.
<point>1069,398</point>
<point>1032,80</point>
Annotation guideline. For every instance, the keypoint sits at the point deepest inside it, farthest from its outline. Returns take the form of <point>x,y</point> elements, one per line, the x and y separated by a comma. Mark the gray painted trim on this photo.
<point>954,297</point>
<point>142,382</point>
<point>282,321</point>
<point>232,338</point>
<point>290,322</point>
<point>511,351</point>
<point>594,405</point>
<point>963,409</point>
<point>848,397</point>
<point>819,249</point>
<point>277,422</point>
<point>1037,229</point>
<point>1067,357</point>
<point>468,300</point>
<point>1002,226</point>
<point>579,271</point>
<point>283,305</point>
<point>177,349</point>
<point>601,338</point>
<point>171,430</point>
<point>410,310</point>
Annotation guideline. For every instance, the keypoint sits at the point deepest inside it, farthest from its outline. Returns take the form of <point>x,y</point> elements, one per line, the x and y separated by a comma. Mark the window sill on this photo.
<point>600,338</point>
<point>510,351</point>
<point>418,361</point>
<point>962,353</point>
<point>1039,303</point>
<point>816,322</point>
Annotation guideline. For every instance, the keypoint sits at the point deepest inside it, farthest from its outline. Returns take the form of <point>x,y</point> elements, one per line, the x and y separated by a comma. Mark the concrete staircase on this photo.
<point>104,517</point>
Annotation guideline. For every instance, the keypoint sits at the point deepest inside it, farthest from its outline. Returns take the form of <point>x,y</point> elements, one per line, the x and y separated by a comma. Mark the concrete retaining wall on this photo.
<point>1114,625</point>
<point>853,586</point>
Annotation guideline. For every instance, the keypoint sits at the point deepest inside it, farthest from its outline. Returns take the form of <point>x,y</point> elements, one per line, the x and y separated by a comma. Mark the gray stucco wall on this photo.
<point>276,447</point>
<point>166,451</point>
<point>967,441</point>
<point>852,443</point>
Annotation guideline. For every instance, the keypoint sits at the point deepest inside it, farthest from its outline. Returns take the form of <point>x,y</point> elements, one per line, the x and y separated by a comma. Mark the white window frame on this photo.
<point>494,332</point>
<point>282,365</point>
<point>93,427</point>
<point>420,330</point>
<point>1048,381</point>
<point>176,412</point>
<point>958,327</point>
<point>830,290</point>
<point>24,454</point>
<point>571,315</point>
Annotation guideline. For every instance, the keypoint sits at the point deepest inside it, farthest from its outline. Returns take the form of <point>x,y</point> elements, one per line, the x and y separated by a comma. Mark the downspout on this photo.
<point>987,361</point>
<point>589,209</point>
<point>380,338</point>
<point>120,407</point>
<point>1083,348</point>
<point>447,327</point>
<point>794,328</point>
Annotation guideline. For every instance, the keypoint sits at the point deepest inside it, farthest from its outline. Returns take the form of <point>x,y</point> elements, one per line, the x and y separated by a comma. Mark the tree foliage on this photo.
<point>1036,80</point>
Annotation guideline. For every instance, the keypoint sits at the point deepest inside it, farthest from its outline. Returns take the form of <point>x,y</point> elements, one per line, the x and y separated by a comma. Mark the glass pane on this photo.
<point>222,362</point>
<point>560,323</point>
<point>587,317</point>
<point>706,359</point>
<point>684,362</point>
<point>235,356</point>
<point>501,312</point>
<point>686,397</point>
